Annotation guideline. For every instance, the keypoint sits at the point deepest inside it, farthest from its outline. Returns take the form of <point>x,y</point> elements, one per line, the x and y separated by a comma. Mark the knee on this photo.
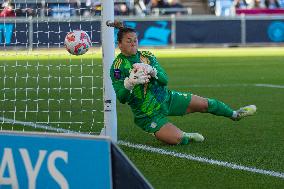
<point>172,139</point>
<point>169,134</point>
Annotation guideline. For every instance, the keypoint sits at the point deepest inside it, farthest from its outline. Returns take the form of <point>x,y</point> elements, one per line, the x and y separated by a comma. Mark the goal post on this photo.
<point>108,48</point>
<point>44,88</point>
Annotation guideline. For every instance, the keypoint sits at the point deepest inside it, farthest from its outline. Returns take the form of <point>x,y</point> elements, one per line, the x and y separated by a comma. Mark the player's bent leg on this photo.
<point>169,134</point>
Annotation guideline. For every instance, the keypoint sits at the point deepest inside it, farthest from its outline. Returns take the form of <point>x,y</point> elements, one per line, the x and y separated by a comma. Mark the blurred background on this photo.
<point>158,22</point>
<point>67,8</point>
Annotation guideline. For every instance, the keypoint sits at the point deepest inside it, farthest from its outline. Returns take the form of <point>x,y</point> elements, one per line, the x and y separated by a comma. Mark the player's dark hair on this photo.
<point>122,30</point>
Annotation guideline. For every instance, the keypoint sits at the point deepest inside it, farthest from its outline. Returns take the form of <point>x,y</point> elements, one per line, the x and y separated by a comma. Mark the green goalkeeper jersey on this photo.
<point>144,99</point>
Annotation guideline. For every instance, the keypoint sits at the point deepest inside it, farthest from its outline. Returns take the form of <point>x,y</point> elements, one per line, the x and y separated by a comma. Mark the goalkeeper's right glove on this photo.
<point>148,69</point>
<point>136,77</point>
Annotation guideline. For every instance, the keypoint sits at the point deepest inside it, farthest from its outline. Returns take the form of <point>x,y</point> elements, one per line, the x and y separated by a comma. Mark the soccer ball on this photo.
<point>77,42</point>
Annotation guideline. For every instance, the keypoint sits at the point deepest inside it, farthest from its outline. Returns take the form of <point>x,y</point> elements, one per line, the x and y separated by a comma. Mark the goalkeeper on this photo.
<point>141,82</point>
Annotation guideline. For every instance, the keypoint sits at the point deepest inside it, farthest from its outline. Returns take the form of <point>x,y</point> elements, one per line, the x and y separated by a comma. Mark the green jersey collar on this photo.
<point>132,58</point>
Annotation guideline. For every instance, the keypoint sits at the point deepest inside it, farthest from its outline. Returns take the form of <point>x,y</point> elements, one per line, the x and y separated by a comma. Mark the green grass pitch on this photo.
<point>237,76</point>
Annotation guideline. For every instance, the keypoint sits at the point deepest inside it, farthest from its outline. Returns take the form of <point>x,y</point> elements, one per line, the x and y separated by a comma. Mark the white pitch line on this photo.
<point>231,85</point>
<point>155,150</point>
<point>37,126</point>
<point>270,86</point>
<point>201,159</point>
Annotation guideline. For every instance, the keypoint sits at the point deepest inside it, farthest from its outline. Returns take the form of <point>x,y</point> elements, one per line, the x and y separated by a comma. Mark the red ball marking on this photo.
<point>70,37</point>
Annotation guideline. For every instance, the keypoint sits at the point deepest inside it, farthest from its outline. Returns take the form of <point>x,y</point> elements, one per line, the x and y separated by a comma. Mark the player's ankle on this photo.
<point>235,115</point>
<point>184,139</point>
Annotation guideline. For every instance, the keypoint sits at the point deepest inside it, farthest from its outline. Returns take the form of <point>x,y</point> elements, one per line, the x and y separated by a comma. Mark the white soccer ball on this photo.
<point>77,42</point>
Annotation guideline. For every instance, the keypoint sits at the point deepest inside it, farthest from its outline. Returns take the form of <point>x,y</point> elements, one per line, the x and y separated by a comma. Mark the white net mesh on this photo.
<point>42,87</point>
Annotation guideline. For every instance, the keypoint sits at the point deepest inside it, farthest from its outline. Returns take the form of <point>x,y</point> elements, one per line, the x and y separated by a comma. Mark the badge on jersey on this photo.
<point>153,125</point>
<point>117,73</point>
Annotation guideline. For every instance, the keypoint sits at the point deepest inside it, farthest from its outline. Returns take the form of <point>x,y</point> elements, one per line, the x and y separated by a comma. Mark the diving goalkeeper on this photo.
<point>141,82</point>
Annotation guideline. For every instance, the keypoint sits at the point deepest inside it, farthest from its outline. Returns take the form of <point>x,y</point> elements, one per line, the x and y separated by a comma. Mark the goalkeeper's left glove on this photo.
<point>150,70</point>
<point>136,77</point>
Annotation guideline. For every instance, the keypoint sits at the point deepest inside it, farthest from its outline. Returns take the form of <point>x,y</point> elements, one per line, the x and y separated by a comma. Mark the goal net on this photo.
<point>43,87</point>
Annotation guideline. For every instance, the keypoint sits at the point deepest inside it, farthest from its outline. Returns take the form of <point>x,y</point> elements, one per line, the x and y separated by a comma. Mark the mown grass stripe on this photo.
<point>229,85</point>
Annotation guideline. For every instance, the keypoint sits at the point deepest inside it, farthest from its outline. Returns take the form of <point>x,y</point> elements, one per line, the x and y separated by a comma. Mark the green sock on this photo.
<point>219,108</point>
<point>184,140</point>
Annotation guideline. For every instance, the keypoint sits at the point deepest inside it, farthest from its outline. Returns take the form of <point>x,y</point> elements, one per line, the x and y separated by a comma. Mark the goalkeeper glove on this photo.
<point>136,77</point>
<point>150,70</point>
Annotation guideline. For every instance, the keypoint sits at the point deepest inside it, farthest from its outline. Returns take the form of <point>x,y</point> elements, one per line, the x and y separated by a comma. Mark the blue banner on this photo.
<point>12,34</point>
<point>54,161</point>
<point>206,32</point>
<point>265,31</point>
<point>152,33</point>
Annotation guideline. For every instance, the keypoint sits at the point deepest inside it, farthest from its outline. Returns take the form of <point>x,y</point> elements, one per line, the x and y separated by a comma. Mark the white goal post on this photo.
<point>42,87</point>
<point>110,116</point>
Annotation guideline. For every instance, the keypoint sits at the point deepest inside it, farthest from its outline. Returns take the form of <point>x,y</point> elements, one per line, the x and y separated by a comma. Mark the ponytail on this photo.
<point>122,29</point>
<point>116,24</point>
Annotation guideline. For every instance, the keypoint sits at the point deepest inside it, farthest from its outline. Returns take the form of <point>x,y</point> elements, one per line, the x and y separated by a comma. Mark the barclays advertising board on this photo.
<point>30,161</point>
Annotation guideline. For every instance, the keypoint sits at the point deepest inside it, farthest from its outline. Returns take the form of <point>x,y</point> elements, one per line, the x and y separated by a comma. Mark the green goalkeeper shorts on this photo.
<point>176,105</point>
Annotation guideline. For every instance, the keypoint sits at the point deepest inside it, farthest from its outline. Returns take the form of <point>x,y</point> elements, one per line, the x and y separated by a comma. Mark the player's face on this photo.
<point>128,44</point>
